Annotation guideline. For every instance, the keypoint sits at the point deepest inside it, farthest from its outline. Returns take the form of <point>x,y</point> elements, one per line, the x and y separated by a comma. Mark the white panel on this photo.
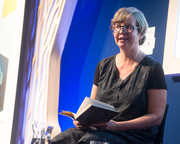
<point>171,64</point>
<point>10,44</point>
<point>53,22</point>
<point>149,43</point>
<point>177,45</point>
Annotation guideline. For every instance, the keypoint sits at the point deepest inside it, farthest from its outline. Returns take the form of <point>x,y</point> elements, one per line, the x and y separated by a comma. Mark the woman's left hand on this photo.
<point>81,126</point>
<point>111,125</point>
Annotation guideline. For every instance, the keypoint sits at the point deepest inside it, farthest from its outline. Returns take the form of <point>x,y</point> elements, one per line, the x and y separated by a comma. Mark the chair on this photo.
<point>159,136</point>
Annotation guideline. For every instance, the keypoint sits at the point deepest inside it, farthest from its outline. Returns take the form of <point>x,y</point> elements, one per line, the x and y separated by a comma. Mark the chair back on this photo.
<point>159,136</point>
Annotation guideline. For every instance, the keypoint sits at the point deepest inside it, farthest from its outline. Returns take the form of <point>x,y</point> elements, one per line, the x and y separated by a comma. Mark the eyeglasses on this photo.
<point>127,28</point>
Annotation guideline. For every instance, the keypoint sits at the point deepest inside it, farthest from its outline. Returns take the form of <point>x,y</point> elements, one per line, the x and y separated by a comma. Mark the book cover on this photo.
<point>92,111</point>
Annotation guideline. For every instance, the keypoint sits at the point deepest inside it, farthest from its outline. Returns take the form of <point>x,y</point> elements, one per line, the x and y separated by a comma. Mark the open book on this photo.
<point>92,111</point>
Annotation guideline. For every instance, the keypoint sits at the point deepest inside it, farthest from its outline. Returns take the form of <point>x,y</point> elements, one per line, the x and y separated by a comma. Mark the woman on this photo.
<point>132,82</point>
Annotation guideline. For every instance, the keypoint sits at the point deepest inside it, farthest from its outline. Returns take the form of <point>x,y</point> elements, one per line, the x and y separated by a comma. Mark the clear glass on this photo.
<point>98,142</point>
<point>41,133</point>
<point>40,141</point>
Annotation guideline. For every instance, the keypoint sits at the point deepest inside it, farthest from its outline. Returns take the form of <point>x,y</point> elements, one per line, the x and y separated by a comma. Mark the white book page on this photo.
<point>88,102</point>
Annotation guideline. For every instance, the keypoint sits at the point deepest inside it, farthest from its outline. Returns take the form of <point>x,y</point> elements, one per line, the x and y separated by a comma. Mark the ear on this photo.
<point>141,37</point>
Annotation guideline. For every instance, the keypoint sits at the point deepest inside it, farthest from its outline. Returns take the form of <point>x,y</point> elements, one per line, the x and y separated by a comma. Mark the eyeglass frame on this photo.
<point>133,27</point>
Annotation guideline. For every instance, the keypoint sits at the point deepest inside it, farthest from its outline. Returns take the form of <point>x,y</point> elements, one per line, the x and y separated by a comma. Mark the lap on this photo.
<point>105,136</point>
<point>114,137</point>
<point>70,136</point>
<point>74,135</point>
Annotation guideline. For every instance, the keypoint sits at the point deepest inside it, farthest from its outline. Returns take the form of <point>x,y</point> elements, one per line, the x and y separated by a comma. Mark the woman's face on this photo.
<point>127,40</point>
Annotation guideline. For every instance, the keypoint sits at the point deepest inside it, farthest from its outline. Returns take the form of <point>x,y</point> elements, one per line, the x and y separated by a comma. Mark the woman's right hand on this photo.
<point>81,126</point>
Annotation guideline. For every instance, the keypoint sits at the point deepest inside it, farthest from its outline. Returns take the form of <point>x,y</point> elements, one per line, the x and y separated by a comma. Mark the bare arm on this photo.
<point>93,91</point>
<point>156,107</point>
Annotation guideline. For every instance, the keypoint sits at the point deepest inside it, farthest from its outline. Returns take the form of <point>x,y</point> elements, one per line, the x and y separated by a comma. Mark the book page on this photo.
<point>88,102</point>
<point>67,113</point>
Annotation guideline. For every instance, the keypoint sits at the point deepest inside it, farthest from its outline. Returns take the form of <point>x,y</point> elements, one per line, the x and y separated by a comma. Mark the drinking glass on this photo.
<point>41,133</point>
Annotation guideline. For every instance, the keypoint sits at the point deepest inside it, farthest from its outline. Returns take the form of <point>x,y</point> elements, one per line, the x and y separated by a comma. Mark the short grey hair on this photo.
<point>125,13</point>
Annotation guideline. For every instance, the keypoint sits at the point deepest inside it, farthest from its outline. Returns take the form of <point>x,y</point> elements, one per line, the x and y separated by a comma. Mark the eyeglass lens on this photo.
<point>126,28</point>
